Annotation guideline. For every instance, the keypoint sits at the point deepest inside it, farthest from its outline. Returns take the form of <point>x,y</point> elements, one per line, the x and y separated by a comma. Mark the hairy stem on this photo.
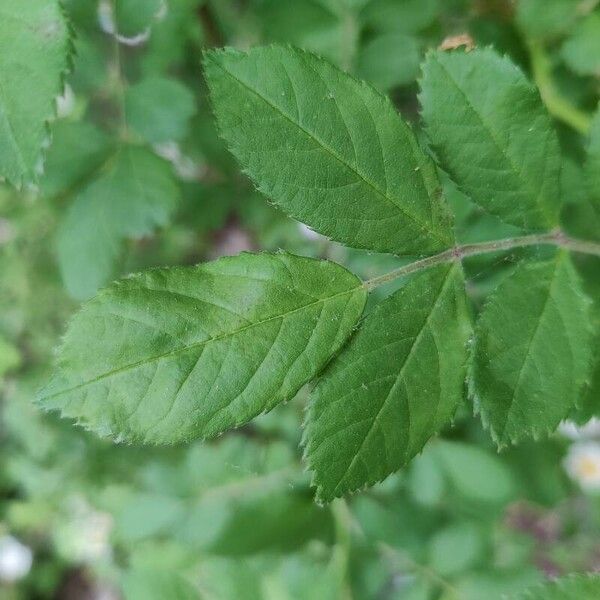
<point>558,106</point>
<point>554,238</point>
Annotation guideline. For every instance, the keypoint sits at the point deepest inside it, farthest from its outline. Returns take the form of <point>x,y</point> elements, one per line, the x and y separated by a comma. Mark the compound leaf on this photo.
<point>135,193</point>
<point>582,587</point>
<point>396,384</point>
<point>189,352</point>
<point>34,56</point>
<point>532,351</point>
<point>329,150</point>
<point>492,134</point>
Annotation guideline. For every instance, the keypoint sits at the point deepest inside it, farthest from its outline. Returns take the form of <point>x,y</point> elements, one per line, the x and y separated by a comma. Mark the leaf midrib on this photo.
<point>335,155</point>
<point>528,354</point>
<point>417,339</point>
<point>199,344</point>
<point>513,166</point>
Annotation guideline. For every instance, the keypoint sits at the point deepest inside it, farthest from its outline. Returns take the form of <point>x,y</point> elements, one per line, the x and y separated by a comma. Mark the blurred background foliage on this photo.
<point>136,176</point>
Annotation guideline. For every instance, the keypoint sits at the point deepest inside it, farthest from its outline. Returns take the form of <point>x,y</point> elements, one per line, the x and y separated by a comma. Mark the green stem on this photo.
<point>554,238</point>
<point>341,555</point>
<point>557,105</point>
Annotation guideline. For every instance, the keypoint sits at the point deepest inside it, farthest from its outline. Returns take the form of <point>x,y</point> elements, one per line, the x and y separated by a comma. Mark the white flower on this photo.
<point>577,432</point>
<point>582,464</point>
<point>15,559</point>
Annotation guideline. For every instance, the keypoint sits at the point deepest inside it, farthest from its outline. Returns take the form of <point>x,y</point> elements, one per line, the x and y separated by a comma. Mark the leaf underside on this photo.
<point>396,384</point>
<point>329,150</point>
<point>175,354</point>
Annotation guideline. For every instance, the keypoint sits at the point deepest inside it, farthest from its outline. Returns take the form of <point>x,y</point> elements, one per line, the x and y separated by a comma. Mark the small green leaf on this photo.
<point>34,56</point>
<point>147,515</point>
<point>474,473</point>
<point>154,584</point>
<point>546,18</point>
<point>313,26</point>
<point>492,134</point>
<point>571,587</point>
<point>532,351</point>
<point>159,109</point>
<point>390,60</point>
<point>329,150</point>
<point>395,385</point>
<point>589,270</point>
<point>132,195</point>
<point>175,354</point>
<point>406,16</point>
<point>581,51</point>
<point>10,357</point>
<point>135,17</point>
<point>456,548</point>
<point>581,215</point>
<point>592,165</point>
<point>78,150</point>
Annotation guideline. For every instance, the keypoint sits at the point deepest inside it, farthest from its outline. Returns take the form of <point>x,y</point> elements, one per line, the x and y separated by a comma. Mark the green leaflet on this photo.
<point>239,483</point>
<point>493,136</point>
<point>135,17</point>
<point>133,194</point>
<point>157,584</point>
<point>456,548</point>
<point>313,26</point>
<point>589,406</point>
<point>159,109</point>
<point>189,352</point>
<point>78,150</point>
<point>592,170</point>
<point>329,150</point>
<point>474,474</point>
<point>581,51</point>
<point>571,587</point>
<point>10,357</point>
<point>34,56</point>
<point>407,16</point>
<point>396,384</point>
<point>581,215</point>
<point>546,18</point>
<point>532,351</point>
<point>390,60</point>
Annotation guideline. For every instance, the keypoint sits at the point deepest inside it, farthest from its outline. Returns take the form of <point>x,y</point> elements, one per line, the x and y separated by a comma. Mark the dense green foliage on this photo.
<point>423,290</point>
